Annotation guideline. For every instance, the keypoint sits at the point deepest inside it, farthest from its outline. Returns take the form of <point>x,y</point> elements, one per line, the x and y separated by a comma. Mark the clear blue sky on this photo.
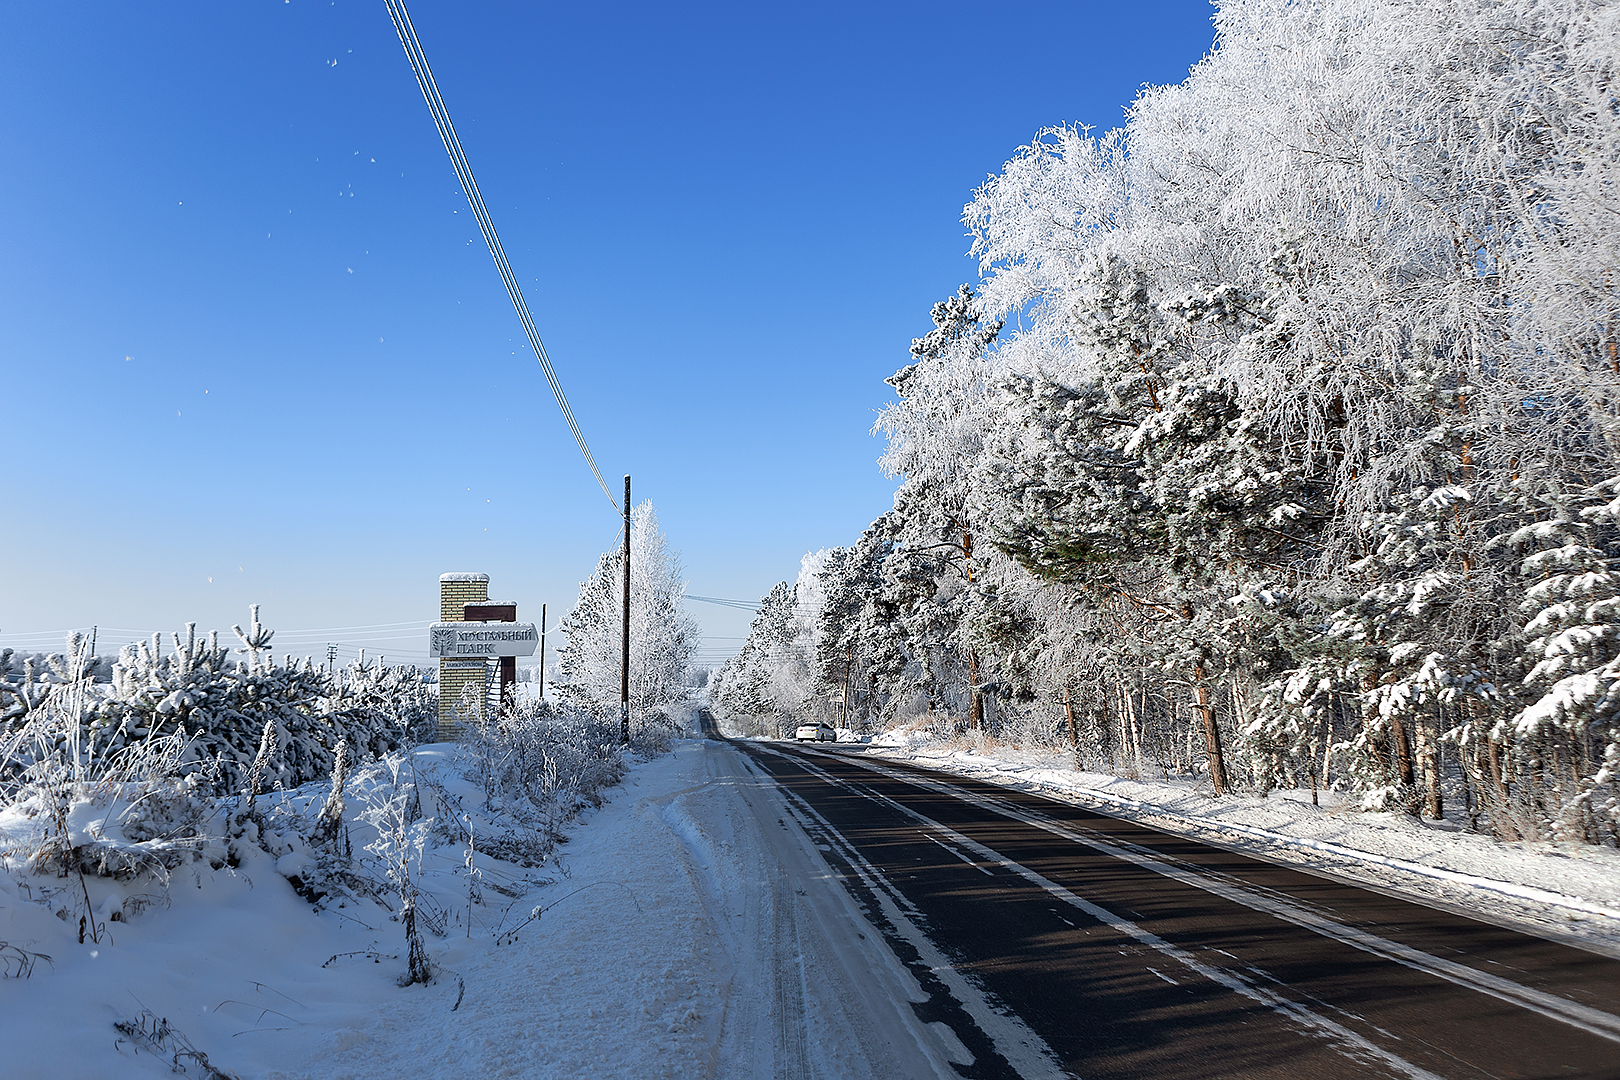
<point>253,348</point>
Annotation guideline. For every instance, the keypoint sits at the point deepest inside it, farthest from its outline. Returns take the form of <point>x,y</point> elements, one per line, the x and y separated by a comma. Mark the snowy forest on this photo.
<point>1276,444</point>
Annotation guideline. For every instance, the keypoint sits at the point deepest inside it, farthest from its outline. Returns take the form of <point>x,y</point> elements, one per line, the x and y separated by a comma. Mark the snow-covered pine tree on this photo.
<point>936,436</point>
<point>742,691</point>
<point>1568,734</point>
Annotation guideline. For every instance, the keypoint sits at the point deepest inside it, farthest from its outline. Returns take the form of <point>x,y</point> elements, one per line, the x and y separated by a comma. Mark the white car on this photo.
<point>815,733</point>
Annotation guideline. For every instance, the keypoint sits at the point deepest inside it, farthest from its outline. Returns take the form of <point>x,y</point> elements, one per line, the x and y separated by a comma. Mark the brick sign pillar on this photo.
<point>460,678</point>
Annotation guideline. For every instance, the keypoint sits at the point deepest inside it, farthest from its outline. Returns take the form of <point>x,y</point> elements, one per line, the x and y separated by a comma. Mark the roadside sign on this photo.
<point>473,639</point>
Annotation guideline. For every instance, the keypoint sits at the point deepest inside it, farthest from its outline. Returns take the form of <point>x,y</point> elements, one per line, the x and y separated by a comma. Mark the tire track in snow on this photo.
<point>809,991</point>
<point>992,1042</point>
<point>787,964</point>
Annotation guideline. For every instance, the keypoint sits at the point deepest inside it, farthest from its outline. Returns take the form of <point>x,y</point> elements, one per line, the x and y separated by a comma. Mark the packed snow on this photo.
<point>688,929</point>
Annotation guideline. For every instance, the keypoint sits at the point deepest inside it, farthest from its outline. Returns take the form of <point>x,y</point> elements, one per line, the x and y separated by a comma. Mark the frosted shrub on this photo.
<point>394,811</point>
<point>539,767</point>
<point>132,768</point>
<point>223,706</point>
<point>140,811</point>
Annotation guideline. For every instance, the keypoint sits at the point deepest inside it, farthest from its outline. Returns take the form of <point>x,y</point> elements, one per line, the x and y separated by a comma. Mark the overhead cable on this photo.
<point>741,605</point>
<point>452,145</point>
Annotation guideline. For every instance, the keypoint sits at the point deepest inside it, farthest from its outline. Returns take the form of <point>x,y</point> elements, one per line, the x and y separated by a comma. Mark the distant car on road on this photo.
<point>815,733</point>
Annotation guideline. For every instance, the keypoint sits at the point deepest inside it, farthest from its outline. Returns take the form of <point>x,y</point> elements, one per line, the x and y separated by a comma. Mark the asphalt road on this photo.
<point>1052,940</point>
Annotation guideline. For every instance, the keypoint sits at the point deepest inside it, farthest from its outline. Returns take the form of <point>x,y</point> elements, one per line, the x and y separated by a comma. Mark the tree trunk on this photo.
<point>1074,732</point>
<point>1403,761</point>
<point>1501,817</point>
<point>1137,726</point>
<point>1428,753</point>
<point>1212,733</point>
<point>1127,723</point>
<point>1327,740</point>
<point>1132,733</point>
<point>975,701</point>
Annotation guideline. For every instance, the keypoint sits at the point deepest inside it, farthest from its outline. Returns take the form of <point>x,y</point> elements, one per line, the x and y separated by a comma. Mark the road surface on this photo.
<point>1054,941</point>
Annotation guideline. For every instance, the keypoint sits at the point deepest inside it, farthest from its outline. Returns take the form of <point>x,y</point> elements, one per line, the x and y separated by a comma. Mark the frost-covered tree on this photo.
<point>742,690</point>
<point>1300,465</point>
<point>936,433</point>
<point>663,636</point>
<point>777,679</point>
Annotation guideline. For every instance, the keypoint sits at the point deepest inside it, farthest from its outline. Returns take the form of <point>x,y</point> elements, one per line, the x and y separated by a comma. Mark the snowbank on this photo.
<point>667,929</point>
<point>244,970</point>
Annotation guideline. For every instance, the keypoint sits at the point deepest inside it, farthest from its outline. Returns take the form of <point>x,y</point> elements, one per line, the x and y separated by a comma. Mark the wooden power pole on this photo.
<point>542,652</point>
<point>624,653</point>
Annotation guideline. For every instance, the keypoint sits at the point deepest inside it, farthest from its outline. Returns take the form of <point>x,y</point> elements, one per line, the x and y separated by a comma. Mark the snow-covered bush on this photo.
<point>218,705</point>
<point>107,777</point>
<point>129,769</point>
<point>71,808</point>
<point>137,811</point>
<point>538,767</point>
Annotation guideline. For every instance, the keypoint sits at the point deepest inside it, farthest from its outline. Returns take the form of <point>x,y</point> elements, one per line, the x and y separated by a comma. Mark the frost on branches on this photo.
<point>662,636</point>
<point>1300,468</point>
<point>187,751</point>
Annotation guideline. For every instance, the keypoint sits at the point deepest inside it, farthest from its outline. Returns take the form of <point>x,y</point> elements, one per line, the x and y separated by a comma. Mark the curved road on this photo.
<point>1054,941</point>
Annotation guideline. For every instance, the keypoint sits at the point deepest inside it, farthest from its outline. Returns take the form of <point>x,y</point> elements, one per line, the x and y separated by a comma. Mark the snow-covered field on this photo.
<point>689,929</point>
<point>1567,890</point>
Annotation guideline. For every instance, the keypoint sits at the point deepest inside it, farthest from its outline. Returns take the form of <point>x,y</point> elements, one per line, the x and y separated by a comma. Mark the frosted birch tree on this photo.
<point>663,636</point>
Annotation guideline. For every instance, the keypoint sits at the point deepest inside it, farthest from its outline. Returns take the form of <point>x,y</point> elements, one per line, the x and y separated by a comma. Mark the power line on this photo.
<point>414,630</point>
<point>452,145</point>
<point>740,605</point>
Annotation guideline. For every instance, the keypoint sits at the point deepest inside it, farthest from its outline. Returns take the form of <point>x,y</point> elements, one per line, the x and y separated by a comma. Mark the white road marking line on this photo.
<point>1352,1044</point>
<point>1013,1039</point>
<point>1592,1021</point>
<point>961,856</point>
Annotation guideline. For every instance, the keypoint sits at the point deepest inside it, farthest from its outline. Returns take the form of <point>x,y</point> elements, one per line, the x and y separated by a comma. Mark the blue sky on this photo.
<point>254,350</point>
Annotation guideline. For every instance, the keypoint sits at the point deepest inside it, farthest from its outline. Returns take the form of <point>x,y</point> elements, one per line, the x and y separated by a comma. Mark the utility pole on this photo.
<point>542,652</point>
<point>331,657</point>
<point>624,654</point>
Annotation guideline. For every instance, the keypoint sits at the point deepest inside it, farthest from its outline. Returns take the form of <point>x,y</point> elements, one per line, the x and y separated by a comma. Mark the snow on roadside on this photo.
<point>1569,891</point>
<point>611,980</point>
<point>672,922</point>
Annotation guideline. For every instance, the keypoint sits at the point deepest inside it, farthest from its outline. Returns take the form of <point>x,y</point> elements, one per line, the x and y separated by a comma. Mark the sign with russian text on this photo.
<point>453,640</point>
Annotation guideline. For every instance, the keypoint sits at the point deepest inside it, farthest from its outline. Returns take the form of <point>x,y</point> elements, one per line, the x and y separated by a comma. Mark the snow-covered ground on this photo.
<point>1570,891</point>
<point>689,929</point>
